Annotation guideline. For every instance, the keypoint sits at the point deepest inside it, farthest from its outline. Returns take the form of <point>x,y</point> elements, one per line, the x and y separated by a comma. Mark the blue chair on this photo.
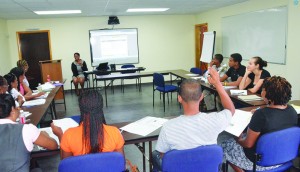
<point>133,77</point>
<point>76,118</point>
<point>98,162</point>
<point>159,85</point>
<point>203,158</point>
<point>196,70</point>
<point>279,147</point>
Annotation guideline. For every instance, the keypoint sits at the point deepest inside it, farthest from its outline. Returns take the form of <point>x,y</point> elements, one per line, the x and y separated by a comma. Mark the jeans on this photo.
<point>156,161</point>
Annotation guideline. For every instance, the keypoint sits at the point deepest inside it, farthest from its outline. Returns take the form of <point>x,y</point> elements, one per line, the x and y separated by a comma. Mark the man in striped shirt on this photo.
<point>193,128</point>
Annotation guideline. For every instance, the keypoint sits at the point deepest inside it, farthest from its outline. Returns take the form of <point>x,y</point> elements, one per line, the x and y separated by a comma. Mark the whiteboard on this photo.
<point>208,46</point>
<point>260,33</point>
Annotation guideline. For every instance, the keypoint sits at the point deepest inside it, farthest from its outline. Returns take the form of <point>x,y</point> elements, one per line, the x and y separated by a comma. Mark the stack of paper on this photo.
<point>145,125</point>
<point>250,98</point>
<point>191,74</point>
<point>34,102</point>
<point>238,92</point>
<point>239,122</point>
<point>297,108</point>
<point>47,86</point>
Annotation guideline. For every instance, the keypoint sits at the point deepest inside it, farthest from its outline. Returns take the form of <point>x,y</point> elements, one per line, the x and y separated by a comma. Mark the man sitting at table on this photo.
<point>235,72</point>
<point>193,128</point>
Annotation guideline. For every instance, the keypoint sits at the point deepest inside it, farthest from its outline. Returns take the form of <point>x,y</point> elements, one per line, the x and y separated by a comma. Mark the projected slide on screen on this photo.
<point>117,46</point>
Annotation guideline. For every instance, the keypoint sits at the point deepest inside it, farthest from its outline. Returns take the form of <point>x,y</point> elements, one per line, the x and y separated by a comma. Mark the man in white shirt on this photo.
<point>209,97</point>
<point>194,128</point>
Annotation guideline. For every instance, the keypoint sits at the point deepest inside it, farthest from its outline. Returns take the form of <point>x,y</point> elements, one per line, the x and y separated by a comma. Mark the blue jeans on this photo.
<point>156,161</point>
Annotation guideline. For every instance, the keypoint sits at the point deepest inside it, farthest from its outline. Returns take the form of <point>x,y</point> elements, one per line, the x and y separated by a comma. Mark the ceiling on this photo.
<point>23,9</point>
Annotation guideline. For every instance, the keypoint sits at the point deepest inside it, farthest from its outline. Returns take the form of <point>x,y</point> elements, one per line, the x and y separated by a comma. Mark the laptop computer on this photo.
<point>103,66</point>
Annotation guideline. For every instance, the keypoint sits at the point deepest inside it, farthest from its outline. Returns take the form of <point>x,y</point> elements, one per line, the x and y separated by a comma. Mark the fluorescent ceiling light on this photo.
<point>57,12</point>
<point>147,9</point>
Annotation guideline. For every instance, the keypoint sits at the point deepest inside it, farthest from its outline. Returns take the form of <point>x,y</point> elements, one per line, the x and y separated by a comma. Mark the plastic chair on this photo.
<point>125,72</point>
<point>203,158</point>
<point>196,70</point>
<point>98,162</point>
<point>87,81</point>
<point>279,147</point>
<point>159,85</point>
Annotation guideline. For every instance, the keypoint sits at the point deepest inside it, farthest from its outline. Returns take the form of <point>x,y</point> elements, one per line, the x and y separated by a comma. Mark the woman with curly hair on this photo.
<point>278,115</point>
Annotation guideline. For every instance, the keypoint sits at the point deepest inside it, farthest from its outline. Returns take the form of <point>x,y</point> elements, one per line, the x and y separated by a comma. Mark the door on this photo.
<point>34,47</point>
<point>199,30</point>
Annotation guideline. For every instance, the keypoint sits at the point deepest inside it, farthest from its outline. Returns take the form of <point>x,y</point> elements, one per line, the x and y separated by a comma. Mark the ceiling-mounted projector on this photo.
<point>112,20</point>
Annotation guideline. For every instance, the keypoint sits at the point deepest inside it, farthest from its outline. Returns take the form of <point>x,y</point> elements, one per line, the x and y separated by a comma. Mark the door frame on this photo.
<point>199,29</point>
<point>30,32</point>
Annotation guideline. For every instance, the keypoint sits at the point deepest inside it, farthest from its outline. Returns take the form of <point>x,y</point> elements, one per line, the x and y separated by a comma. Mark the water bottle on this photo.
<point>22,117</point>
<point>48,78</point>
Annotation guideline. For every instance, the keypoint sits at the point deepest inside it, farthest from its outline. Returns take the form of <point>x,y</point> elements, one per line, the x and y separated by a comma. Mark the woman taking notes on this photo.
<point>276,91</point>
<point>92,135</point>
<point>254,75</point>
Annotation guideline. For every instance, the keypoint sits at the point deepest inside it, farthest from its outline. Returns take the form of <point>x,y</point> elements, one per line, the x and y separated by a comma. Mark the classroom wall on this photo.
<point>165,42</point>
<point>290,69</point>
<point>5,64</point>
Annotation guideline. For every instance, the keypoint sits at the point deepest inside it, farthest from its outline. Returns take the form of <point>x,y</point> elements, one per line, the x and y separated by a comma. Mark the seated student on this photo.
<point>194,128</point>
<point>255,75</point>
<point>208,96</point>
<point>16,141</point>
<point>92,135</point>
<point>12,89</point>
<point>24,65</point>
<point>78,67</point>
<point>276,91</point>
<point>3,85</point>
<point>216,63</point>
<point>23,88</point>
<point>235,72</point>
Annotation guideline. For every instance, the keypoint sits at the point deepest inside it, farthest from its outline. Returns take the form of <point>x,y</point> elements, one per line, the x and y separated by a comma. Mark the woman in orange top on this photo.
<point>92,135</point>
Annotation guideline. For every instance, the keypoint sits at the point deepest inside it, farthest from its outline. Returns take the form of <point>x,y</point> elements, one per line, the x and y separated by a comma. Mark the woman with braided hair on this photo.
<point>278,115</point>
<point>92,135</point>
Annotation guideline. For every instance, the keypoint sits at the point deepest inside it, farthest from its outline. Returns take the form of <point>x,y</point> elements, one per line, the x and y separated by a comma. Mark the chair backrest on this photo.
<point>98,162</point>
<point>128,66</point>
<point>278,147</point>
<point>196,70</point>
<point>203,158</point>
<point>158,80</point>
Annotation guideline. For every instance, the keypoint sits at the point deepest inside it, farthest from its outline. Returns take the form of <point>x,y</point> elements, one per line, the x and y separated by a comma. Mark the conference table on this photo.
<point>39,111</point>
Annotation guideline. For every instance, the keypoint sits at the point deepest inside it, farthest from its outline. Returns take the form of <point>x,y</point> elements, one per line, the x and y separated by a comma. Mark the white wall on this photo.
<point>165,42</point>
<point>290,69</point>
<point>5,64</point>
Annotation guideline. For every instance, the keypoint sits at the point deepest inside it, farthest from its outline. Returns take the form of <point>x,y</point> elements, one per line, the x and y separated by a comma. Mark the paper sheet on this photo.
<point>191,74</point>
<point>145,125</point>
<point>250,98</point>
<point>238,92</point>
<point>230,87</point>
<point>51,134</point>
<point>65,123</point>
<point>239,122</point>
<point>297,108</point>
<point>42,96</point>
<point>34,102</point>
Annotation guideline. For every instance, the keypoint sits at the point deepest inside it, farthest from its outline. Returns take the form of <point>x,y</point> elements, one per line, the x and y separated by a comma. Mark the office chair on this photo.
<point>87,81</point>
<point>203,158</point>
<point>196,70</point>
<point>97,162</point>
<point>279,147</point>
<point>125,72</point>
<point>159,85</point>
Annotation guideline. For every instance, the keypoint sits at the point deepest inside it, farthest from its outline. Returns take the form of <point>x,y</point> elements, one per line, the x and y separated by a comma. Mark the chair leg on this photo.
<point>168,98</point>
<point>71,87</point>
<point>164,102</point>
